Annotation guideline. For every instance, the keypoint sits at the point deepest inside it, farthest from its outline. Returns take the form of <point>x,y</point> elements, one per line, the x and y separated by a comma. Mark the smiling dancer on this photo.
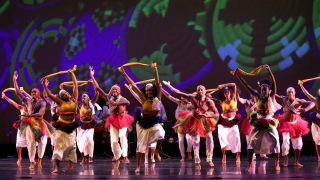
<point>292,126</point>
<point>200,122</point>
<point>118,122</point>
<point>264,137</point>
<point>148,128</point>
<point>228,130</point>
<point>65,133</point>
<point>33,125</point>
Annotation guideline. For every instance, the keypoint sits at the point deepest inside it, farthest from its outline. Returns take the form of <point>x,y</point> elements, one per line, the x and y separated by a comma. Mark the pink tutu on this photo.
<point>296,130</point>
<point>246,127</point>
<point>119,121</point>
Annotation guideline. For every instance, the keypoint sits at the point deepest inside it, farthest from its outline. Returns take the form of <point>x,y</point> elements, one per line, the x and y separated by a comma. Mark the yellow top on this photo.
<point>148,109</point>
<point>85,112</point>
<point>261,106</point>
<point>68,107</point>
<point>23,111</point>
<point>232,106</point>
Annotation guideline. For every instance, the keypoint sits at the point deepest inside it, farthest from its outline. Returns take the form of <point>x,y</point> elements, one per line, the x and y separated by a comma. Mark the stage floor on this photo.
<point>168,168</point>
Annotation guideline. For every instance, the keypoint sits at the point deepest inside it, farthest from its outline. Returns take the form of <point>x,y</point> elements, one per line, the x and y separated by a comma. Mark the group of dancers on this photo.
<point>197,116</point>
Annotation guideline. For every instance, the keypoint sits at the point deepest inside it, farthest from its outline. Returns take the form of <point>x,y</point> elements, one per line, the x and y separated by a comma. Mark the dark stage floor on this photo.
<point>168,168</point>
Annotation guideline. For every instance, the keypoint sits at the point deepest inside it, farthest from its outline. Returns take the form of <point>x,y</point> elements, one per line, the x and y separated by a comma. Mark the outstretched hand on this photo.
<point>3,95</point>
<point>15,75</point>
<point>91,70</point>
<point>44,81</point>
<point>267,67</point>
<point>167,83</point>
<point>236,72</point>
<point>152,65</point>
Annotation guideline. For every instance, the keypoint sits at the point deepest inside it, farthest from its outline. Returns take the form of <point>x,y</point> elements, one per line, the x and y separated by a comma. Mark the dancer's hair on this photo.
<point>265,81</point>
<point>155,92</point>
<point>221,93</point>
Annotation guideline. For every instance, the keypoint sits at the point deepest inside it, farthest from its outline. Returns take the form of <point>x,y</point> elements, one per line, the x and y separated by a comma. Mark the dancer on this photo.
<point>200,122</point>
<point>33,125</point>
<point>264,137</point>
<point>118,122</point>
<point>228,130</point>
<point>87,124</point>
<point>21,140</point>
<point>65,133</point>
<point>152,146</point>
<point>148,128</point>
<point>55,112</point>
<point>182,107</point>
<point>250,106</point>
<point>315,116</point>
<point>291,125</point>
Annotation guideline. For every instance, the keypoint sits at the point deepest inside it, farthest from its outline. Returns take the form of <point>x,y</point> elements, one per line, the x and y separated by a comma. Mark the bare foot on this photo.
<point>156,152</point>
<point>211,164</point>
<point>197,166</point>
<point>116,166</point>
<point>152,160</point>
<point>90,159</point>
<point>277,166</point>
<point>183,159</point>
<point>224,159</point>
<point>126,160</point>
<point>39,166</point>
<point>70,166</point>
<point>56,170</point>
<point>298,164</point>
<point>189,155</point>
<point>32,165</point>
<point>286,159</point>
<point>265,157</point>
<point>249,168</point>
<point>146,161</point>
<point>137,170</point>
<point>19,161</point>
<point>83,160</point>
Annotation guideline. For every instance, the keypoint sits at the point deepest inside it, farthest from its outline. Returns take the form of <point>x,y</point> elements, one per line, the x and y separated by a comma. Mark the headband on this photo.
<point>149,84</point>
<point>264,84</point>
<point>60,93</point>
<point>200,86</point>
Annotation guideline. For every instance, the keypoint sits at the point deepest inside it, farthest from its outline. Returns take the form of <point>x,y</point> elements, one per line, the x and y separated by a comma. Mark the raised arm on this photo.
<point>94,82</point>
<point>274,86</point>
<point>157,80</point>
<point>312,98</point>
<point>45,95</point>
<point>75,86</point>
<point>244,83</point>
<point>96,97</point>
<point>16,105</point>
<point>134,94</point>
<point>26,94</point>
<point>48,92</point>
<point>133,85</point>
<point>16,87</point>
<point>176,91</point>
<point>176,100</point>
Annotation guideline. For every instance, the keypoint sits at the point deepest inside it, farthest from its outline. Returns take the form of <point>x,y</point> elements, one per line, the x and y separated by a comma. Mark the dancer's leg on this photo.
<point>181,146</point>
